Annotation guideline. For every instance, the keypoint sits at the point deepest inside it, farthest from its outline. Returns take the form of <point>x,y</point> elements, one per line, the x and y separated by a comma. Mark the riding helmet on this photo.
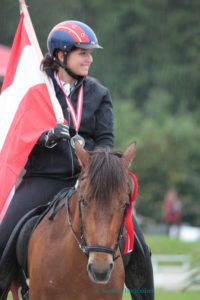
<point>69,34</point>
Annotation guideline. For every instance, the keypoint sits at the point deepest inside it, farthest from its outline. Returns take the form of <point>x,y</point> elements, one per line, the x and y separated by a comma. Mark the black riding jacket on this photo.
<point>96,128</point>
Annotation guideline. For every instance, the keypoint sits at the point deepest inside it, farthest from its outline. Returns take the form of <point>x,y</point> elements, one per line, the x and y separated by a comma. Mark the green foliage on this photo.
<point>167,154</point>
<point>151,63</point>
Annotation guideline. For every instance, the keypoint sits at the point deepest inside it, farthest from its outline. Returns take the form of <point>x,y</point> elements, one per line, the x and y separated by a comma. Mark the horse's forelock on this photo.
<point>106,175</point>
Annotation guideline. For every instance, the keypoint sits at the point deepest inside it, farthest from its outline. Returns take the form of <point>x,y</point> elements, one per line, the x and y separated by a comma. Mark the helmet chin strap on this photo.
<point>64,66</point>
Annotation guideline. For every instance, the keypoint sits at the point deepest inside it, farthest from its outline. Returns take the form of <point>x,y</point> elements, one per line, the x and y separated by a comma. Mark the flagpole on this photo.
<point>56,106</point>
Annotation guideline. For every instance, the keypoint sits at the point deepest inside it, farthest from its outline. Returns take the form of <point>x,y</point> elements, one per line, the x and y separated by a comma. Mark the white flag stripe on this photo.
<point>28,70</point>
<point>32,38</point>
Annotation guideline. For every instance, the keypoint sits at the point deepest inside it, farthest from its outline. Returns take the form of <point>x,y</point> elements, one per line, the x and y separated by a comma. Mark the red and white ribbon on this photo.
<point>76,116</point>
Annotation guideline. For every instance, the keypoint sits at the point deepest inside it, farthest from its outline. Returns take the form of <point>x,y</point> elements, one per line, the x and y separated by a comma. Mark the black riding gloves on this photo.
<point>60,132</point>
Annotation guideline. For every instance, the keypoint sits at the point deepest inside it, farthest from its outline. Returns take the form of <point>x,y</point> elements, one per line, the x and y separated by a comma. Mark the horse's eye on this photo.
<point>83,201</point>
<point>124,205</point>
<point>83,177</point>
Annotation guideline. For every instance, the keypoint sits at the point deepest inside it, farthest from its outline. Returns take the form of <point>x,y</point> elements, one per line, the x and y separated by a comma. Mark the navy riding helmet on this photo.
<point>69,34</point>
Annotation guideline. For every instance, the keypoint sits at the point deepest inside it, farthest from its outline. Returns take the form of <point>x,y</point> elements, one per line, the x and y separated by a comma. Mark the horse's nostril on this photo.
<point>99,275</point>
<point>90,267</point>
<point>111,266</point>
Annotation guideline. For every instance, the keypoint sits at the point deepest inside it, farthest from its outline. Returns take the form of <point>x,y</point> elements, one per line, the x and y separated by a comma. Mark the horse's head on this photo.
<point>103,198</point>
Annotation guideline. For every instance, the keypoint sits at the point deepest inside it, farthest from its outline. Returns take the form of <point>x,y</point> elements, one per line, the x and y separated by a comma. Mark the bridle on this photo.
<point>82,243</point>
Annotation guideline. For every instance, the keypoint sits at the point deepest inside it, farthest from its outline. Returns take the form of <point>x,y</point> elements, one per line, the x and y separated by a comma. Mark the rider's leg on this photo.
<point>32,192</point>
<point>139,272</point>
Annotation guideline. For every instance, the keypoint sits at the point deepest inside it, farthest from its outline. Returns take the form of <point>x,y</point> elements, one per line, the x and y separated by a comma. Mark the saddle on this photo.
<point>13,264</point>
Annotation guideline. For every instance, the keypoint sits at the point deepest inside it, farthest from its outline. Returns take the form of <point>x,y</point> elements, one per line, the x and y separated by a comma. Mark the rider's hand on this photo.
<point>60,132</point>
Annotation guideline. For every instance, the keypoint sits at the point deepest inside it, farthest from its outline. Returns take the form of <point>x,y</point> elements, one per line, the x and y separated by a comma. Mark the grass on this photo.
<point>176,295</point>
<point>161,244</point>
<point>172,295</point>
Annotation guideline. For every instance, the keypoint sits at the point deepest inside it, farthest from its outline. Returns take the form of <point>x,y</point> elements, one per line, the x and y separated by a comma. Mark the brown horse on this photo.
<point>74,255</point>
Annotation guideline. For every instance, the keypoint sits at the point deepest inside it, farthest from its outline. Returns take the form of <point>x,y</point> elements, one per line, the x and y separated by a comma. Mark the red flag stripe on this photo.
<point>20,41</point>
<point>28,124</point>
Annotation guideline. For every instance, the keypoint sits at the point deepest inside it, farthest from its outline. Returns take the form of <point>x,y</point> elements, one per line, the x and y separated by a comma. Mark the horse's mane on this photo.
<point>106,175</point>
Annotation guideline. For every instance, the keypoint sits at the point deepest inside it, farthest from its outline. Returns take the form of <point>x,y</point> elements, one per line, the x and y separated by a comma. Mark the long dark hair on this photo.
<point>52,63</point>
<point>48,63</point>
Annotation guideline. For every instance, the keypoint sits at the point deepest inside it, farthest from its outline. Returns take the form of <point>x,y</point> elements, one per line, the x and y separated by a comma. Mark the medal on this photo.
<point>77,138</point>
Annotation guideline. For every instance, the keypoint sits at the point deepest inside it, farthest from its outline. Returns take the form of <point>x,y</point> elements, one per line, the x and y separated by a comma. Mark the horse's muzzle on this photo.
<point>99,275</point>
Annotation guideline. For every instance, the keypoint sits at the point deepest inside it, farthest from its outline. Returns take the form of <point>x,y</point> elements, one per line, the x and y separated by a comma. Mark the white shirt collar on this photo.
<point>66,86</point>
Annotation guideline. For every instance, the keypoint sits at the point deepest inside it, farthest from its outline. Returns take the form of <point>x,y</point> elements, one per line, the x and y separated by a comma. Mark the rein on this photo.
<point>82,243</point>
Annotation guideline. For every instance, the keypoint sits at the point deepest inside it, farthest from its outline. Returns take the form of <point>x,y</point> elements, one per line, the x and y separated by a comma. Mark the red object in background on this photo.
<point>172,208</point>
<point>4,58</point>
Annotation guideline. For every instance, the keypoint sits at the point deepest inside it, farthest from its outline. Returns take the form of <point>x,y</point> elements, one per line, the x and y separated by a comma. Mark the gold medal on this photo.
<point>79,139</point>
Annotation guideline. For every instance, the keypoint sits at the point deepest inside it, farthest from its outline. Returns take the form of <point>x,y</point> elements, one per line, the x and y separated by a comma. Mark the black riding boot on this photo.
<point>3,294</point>
<point>139,272</point>
<point>3,288</point>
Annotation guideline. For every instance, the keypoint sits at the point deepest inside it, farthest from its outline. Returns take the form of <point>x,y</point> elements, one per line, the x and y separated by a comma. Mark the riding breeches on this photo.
<point>139,271</point>
<point>32,192</point>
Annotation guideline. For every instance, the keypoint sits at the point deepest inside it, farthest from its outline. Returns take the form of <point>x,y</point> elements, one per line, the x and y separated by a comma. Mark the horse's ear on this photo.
<point>129,155</point>
<point>82,155</point>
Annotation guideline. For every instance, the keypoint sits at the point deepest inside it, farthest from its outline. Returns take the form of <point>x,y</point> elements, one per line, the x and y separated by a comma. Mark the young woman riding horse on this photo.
<point>52,164</point>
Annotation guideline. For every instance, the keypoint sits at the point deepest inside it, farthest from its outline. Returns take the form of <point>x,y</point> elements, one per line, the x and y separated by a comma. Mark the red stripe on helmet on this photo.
<point>76,32</point>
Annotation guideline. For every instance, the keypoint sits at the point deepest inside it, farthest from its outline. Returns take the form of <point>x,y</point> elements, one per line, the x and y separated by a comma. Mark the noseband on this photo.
<point>82,243</point>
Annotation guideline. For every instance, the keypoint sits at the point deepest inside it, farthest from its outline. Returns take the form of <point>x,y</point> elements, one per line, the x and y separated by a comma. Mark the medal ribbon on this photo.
<point>76,116</point>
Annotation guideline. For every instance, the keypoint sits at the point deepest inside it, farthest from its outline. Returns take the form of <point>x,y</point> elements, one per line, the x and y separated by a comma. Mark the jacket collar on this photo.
<point>50,73</point>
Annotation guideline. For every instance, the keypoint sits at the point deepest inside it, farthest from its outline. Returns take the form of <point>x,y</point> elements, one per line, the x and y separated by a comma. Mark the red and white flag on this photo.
<point>25,111</point>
